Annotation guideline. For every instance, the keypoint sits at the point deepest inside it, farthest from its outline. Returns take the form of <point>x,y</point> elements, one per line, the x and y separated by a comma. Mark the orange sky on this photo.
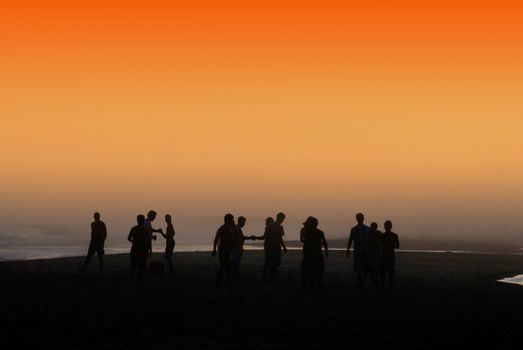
<point>202,107</point>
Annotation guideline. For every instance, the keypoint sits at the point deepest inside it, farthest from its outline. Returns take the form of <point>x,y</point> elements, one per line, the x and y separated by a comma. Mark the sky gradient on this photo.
<point>405,110</point>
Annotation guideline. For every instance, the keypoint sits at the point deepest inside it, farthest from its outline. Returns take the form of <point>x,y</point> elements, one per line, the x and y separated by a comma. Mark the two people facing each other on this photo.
<point>374,252</point>
<point>229,241</point>
<point>141,237</point>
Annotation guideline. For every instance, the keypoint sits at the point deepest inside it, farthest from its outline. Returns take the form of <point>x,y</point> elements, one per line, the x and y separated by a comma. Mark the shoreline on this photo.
<point>80,251</point>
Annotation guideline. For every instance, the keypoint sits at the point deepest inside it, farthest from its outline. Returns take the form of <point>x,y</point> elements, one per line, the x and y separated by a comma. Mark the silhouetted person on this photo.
<point>312,264</point>
<point>272,246</point>
<point>239,240</point>
<point>224,239</point>
<point>374,252</point>
<point>359,235</point>
<point>169,242</point>
<point>389,242</point>
<point>139,249</point>
<point>147,224</point>
<point>98,236</point>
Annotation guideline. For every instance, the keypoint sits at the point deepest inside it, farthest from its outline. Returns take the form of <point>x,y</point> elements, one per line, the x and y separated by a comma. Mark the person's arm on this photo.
<point>397,242</point>
<point>261,238</point>
<point>216,239</point>
<point>302,237</point>
<point>93,230</point>
<point>155,230</point>
<point>283,244</point>
<point>251,237</point>
<point>351,238</point>
<point>163,234</point>
<point>130,237</point>
<point>324,242</point>
<point>104,233</point>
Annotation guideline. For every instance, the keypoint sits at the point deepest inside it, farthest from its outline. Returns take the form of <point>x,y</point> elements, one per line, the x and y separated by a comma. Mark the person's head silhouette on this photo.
<point>96,216</point>
<point>241,221</point>
<point>228,220</point>
<point>280,217</point>
<point>269,221</point>
<point>168,219</point>
<point>151,215</point>
<point>388,225</point>
<point>140,218</point>
<point>311,222</point>
<point>360,218</point>
<point>374,227</point>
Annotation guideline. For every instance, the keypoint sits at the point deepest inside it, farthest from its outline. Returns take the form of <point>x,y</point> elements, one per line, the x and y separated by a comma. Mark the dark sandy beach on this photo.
<point>439,300</point>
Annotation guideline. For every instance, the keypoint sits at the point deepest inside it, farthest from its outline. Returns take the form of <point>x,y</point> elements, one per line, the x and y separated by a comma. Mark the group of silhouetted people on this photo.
<point>141,237</point>
<point>374,251</point>
<point>229,241</point>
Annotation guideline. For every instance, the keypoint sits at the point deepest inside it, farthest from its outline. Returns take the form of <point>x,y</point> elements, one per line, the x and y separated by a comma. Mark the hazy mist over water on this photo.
<point>62,221</point>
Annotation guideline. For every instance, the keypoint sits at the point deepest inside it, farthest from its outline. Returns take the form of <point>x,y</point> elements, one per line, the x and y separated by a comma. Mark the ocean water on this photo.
<point>62,251</point>
<point>32,252</point>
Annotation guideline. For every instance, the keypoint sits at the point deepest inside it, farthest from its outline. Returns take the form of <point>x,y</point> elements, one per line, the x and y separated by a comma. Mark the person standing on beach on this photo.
<point>374,253</point>
<point>312,264</point>
<point>359,234</point>
<point>98,236</point>
<point>269,222</point>
<point>390,242</point>
<point>169,242</point>
<point>138,236</point>
<point>272,246</point>
<point>147,224</point>
<point>224,240</point>
<point>239,240</point>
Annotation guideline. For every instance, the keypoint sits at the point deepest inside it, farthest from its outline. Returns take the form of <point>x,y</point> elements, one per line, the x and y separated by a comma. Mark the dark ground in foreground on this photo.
<point>439,300</point>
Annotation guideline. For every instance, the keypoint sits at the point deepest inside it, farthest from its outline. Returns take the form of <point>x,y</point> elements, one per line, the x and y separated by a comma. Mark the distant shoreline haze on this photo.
<point>53,234</point>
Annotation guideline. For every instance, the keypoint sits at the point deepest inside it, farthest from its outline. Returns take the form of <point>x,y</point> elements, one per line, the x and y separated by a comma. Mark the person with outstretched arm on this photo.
<point>237,253</point>
<point>147,224</point>
<point>224,244</point>
<point>169,242</point>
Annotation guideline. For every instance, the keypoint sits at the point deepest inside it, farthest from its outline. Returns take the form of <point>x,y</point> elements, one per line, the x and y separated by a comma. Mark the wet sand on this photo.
<point>439,300</point>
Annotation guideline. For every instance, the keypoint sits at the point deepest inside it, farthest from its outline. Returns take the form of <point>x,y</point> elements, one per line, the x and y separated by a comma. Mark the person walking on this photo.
<point>96,246</point>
